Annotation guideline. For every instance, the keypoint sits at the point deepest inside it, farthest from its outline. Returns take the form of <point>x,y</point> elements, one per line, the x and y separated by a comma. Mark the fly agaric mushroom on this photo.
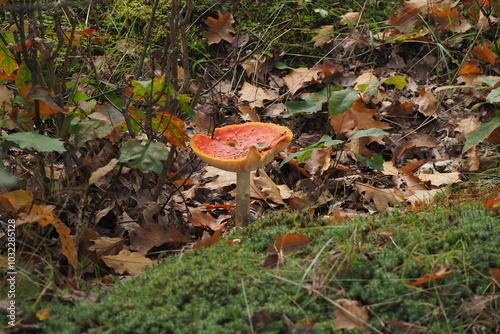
<point>242,148</point>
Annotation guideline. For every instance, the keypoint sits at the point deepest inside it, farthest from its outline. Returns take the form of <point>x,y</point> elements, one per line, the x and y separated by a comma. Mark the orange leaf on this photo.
<point>495,276</point>
<point>204,220</point>
<point>15,200</point>
<point>288,243</point>
<point>492,204</point>
<point>220,29</point>
<point>469,69</point>
<point>87,32</point>
<point>208,240</point>
<point>483,53</point>
<point>357,118</point>
<point>441,272</point>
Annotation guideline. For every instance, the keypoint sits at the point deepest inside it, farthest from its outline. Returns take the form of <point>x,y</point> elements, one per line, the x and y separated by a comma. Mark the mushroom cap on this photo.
<point>242,147</point>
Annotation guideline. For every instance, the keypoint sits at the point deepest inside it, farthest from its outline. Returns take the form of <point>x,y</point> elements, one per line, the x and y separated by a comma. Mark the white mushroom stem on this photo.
<point>242,198</point>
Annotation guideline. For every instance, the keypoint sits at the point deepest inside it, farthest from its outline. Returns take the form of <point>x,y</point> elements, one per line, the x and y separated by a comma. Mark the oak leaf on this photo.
<point>154,236</point>
<point>204,220</point>
<point>287,243</point>
<point>358,117</point>
<point>323,35</point>
<point>382,198</point>
<point>350,315</point>
<point>220,29</point>
<point>426,102</point>
<point>133,263</point>
<point>300,77</point>
<point>484,53</point>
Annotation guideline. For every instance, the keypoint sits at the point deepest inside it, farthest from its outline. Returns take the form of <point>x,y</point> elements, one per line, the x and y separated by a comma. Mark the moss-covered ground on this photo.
<point>371,260</point>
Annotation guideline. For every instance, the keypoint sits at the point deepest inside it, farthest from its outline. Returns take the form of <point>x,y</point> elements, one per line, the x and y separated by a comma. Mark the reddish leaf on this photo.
<point>220,29</point>
<point>484,53</point>
<point>204,220</point>
<point>495,276</point>
<point>440,272</point>
<point>288,243</point>
<point>208,240</point>
<point>357,118</point>
<point>172,128</point>
<point>87,32</point>
<point>492,204</point>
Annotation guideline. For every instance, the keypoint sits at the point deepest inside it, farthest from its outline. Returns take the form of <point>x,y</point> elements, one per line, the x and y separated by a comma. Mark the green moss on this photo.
<point>214,290</point>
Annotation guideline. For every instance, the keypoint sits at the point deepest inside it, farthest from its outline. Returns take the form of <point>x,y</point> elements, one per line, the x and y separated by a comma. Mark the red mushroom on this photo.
<point>242,148</point>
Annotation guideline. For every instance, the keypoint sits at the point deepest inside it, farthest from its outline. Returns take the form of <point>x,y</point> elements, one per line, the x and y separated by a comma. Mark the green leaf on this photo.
<point>398,81</point>
<point>374,132</point>
<point>6,180</point>
<point>377,161</point>
<point>312,102</point>
<point>36,141</point>
<point>97,125</point>
<point>304,153</point>
<point>493,96</point>
<point>7,61</point>
<point>478,135</point>
<point>282,66</point>
<point>144,155</point>
<point>341,101</point>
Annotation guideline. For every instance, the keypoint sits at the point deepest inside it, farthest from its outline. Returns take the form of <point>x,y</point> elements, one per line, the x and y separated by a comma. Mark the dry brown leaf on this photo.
<point>155,235</point>
<point>350,18</point>
<point>220,29</point>
<point>495,276</point>
<point>426,102</point>
<point>208,240</point>
<point>483,52</point>
<point>467,125</point>
<point>350,315</point>
<point>298,78</point>
<point>265,188</point>
<point>382,198</point>
<point>322,36</point>
<point>357,118</point>
<point>107,246</point>
<point>406,327</point>
<point>255,95</point>
<point>439,179</point>
<point>319,161</point>
<point>287,243</point>
<point>133,263</point>
<point>421,141</point>
<point>204,220</point>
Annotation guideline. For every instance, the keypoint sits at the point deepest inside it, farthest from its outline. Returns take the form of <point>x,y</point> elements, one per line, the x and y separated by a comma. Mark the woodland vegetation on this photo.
<point>381,216</point>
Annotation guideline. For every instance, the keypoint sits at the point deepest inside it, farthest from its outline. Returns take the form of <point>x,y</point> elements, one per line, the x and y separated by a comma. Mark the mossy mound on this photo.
<point>373,261</point>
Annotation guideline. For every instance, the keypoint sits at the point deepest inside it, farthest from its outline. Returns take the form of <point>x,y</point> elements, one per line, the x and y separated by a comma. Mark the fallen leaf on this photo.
<point>382,198</point>
<point>421,141</point>
<point>495,276</point>
<point>358,117</point>
<point>220,29</point>
<point>405,327</point>
<point>133,263</point>
<point>208,240</point>
<point>439,179</point>
<point>438,273</point>
<point>298,78</point>
<point>467,125</point>
<point>155,235</point>
<point>350,315</point>
<point>14,200</point>
<point>426,102</point>
<point>204,220</point>
<point>322,36</point>
<point>287,243</point>
<point>350,18</point>
<point>484,53</point>
<point>43,314</point>
<point>268,190</point>
<point>254,95</point>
